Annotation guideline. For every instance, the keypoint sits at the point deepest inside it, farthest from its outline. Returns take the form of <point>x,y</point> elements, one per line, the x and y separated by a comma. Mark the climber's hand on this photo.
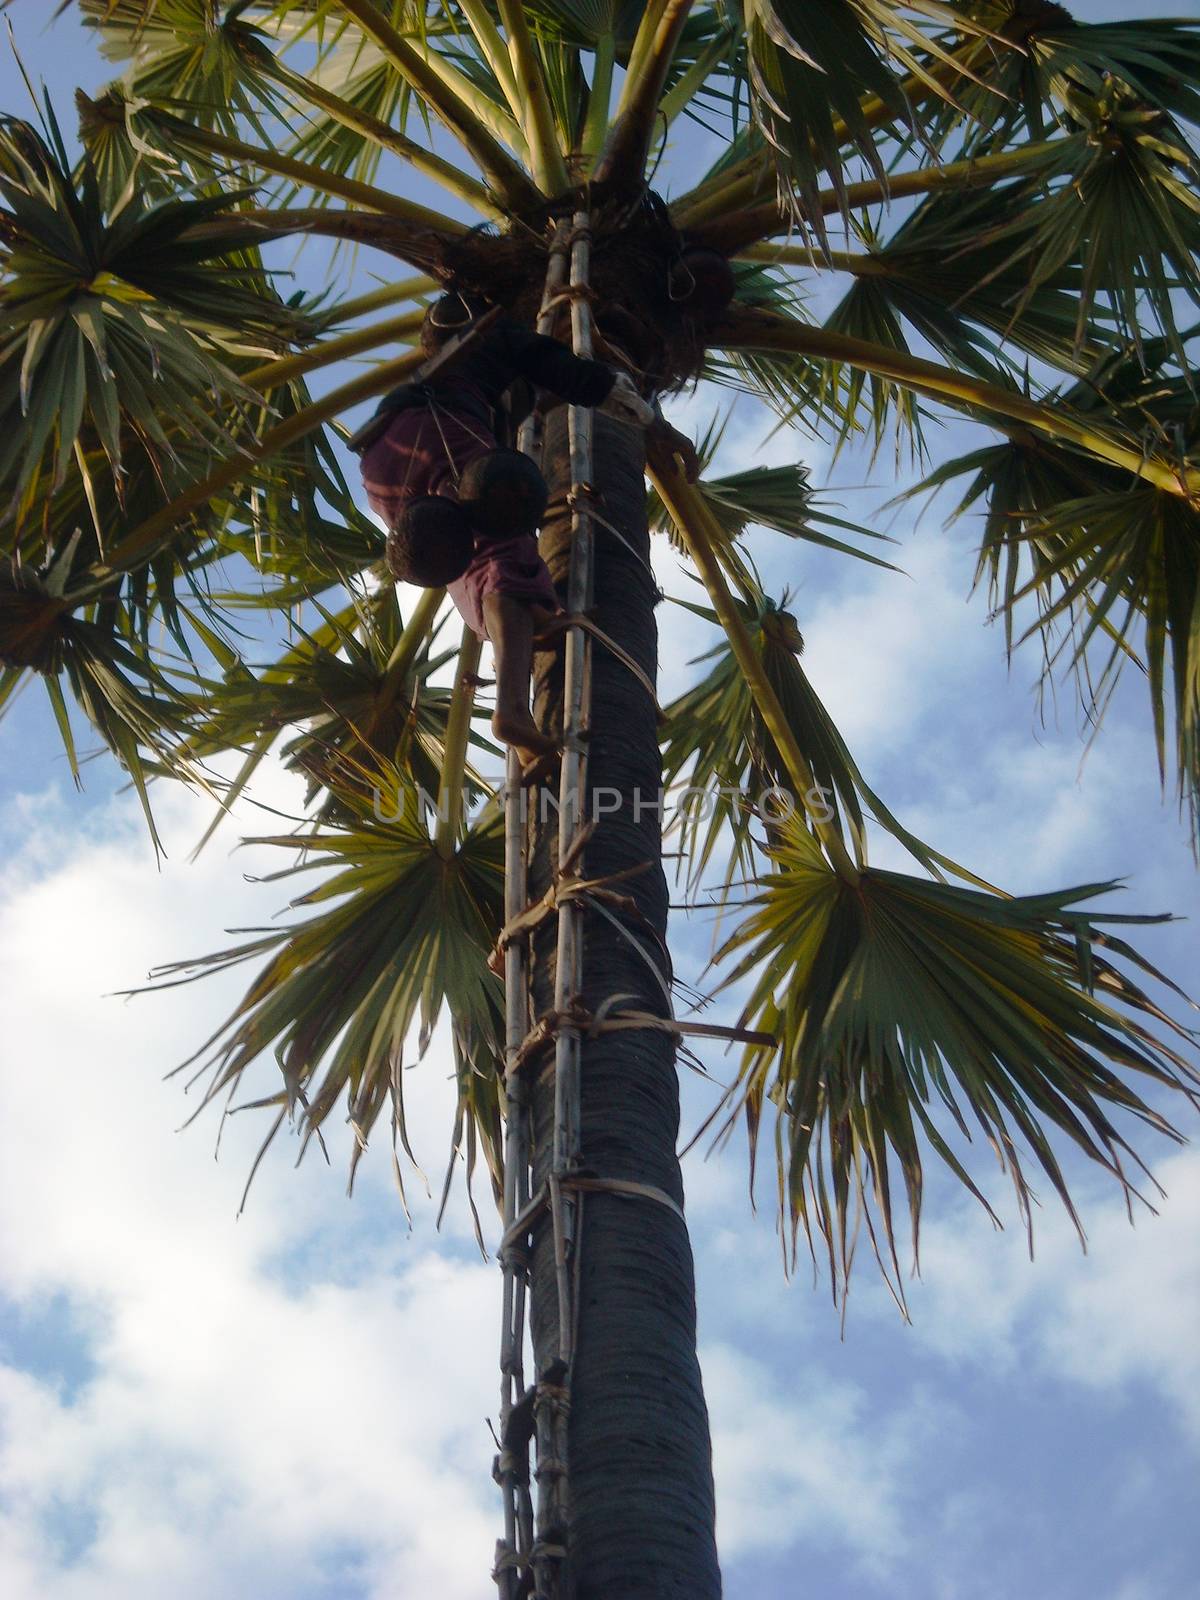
<point>678,444</point>
<point>667,445</point>
<point>625,404</point>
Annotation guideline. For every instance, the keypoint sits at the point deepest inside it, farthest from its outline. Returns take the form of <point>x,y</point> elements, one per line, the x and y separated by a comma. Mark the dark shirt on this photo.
<point>478,378</point>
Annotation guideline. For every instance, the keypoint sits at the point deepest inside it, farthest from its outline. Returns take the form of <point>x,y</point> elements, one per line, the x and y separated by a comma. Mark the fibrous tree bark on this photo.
<point>641,1484</point>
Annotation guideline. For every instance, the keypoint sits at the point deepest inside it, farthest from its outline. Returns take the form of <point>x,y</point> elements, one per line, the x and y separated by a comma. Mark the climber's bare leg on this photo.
<point>510,628</point>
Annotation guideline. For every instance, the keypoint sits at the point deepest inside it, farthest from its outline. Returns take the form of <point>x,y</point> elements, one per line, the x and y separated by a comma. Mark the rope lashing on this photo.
<point>548,1552</point>
<point>512,1464</point>
<point>572,291</point>
<point>541,1036</point>
<point>507,1560</point>
<point>583,1183</point>
<point>609,643</point>
<point>564,888</point>
<point>610,527</point>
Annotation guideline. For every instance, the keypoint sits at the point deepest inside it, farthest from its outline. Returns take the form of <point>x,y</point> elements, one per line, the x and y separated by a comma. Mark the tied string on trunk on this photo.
<point>608,1019</point>
<point>580,619</point>
<point>567,886</point>
<point>514,1246</point>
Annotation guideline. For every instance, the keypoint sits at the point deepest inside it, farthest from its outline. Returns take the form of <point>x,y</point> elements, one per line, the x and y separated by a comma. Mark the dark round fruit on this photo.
<point>431,544</point>
<point>702,280</point>
<point>505,493</point>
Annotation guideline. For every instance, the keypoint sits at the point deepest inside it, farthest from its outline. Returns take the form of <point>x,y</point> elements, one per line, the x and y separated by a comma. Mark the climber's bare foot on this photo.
<point>538,768</point>
<point>524,733</point>
<point>548,626</point>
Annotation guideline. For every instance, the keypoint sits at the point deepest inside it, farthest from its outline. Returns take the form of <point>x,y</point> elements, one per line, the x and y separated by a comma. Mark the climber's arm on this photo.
<point>548,364</point>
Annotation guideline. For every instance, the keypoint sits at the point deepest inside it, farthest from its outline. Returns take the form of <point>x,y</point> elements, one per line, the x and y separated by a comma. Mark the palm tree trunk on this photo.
<point>641,1490</point>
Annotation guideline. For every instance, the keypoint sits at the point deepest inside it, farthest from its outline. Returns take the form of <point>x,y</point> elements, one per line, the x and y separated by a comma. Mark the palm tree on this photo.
<point>1009,196</point>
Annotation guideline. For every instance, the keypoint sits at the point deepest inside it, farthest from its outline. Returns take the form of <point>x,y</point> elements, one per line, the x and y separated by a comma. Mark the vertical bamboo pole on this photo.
<point>512,1466</point>
<point>574,764</point>
<point>553,1413</point>
<point>516,1550</point>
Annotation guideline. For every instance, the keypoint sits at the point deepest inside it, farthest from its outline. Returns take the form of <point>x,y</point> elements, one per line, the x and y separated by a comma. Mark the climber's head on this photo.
<point>448,316</point>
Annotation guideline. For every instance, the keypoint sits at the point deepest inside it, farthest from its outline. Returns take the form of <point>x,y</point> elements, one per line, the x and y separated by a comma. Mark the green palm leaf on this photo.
<point>779,498</point>
<point>1110,562</point>
<point>583,23</point>
<point>951,276</point>
<point>355,692</point>
<point>397,932</point>
<point>1129,218</point>
<point>210,56</point>
<point>909,1013</point>
<point>1130,563</point>
<point>814,70</point>
<point>1016,80</point>
<point>96,653</point>
<point>115,319</point>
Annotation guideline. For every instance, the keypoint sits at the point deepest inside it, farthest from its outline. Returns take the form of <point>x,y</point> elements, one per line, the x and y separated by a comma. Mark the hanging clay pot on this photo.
<point>504,493</point>
<point>701,280</point>
<point>431,544</point>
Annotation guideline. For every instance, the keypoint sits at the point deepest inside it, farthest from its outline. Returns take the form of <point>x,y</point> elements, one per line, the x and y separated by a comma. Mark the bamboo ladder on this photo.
<point>530,1556</point>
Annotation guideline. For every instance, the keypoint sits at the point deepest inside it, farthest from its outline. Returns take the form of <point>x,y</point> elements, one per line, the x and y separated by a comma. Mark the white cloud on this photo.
<point>235,1426</point>
<point>232,1432</point>
<point>812,1464</point>
<point>1120,1321</point>
<point>887,657</point>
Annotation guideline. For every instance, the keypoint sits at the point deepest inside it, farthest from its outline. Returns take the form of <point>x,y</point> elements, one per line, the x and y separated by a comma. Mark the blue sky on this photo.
<point>293,1403</point>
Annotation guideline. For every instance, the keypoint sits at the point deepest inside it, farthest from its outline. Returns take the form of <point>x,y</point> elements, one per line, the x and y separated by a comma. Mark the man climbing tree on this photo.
<point>438,430</point>
<point>1009,196</point>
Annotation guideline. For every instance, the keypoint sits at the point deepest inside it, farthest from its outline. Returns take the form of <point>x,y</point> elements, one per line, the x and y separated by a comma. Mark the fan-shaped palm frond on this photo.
<point>353,692</point>
<point>94,651</point>
<point>121,158</point>
<point>1110,562</point>
<point>907,1011</point>
<point>1128,220</point>
<point>399,931</point>
<point>818,73</point>
<point>210,56</point>
<point>716,739</point>
<point>950,274</point>
<point>129,647</point>
<point>755,723</point>
<point>1016,78</point>
<point>114,318</point>
<point>122,380</point>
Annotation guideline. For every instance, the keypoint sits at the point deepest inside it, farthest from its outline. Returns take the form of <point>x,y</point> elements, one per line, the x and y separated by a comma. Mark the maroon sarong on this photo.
<point>422,453</point>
